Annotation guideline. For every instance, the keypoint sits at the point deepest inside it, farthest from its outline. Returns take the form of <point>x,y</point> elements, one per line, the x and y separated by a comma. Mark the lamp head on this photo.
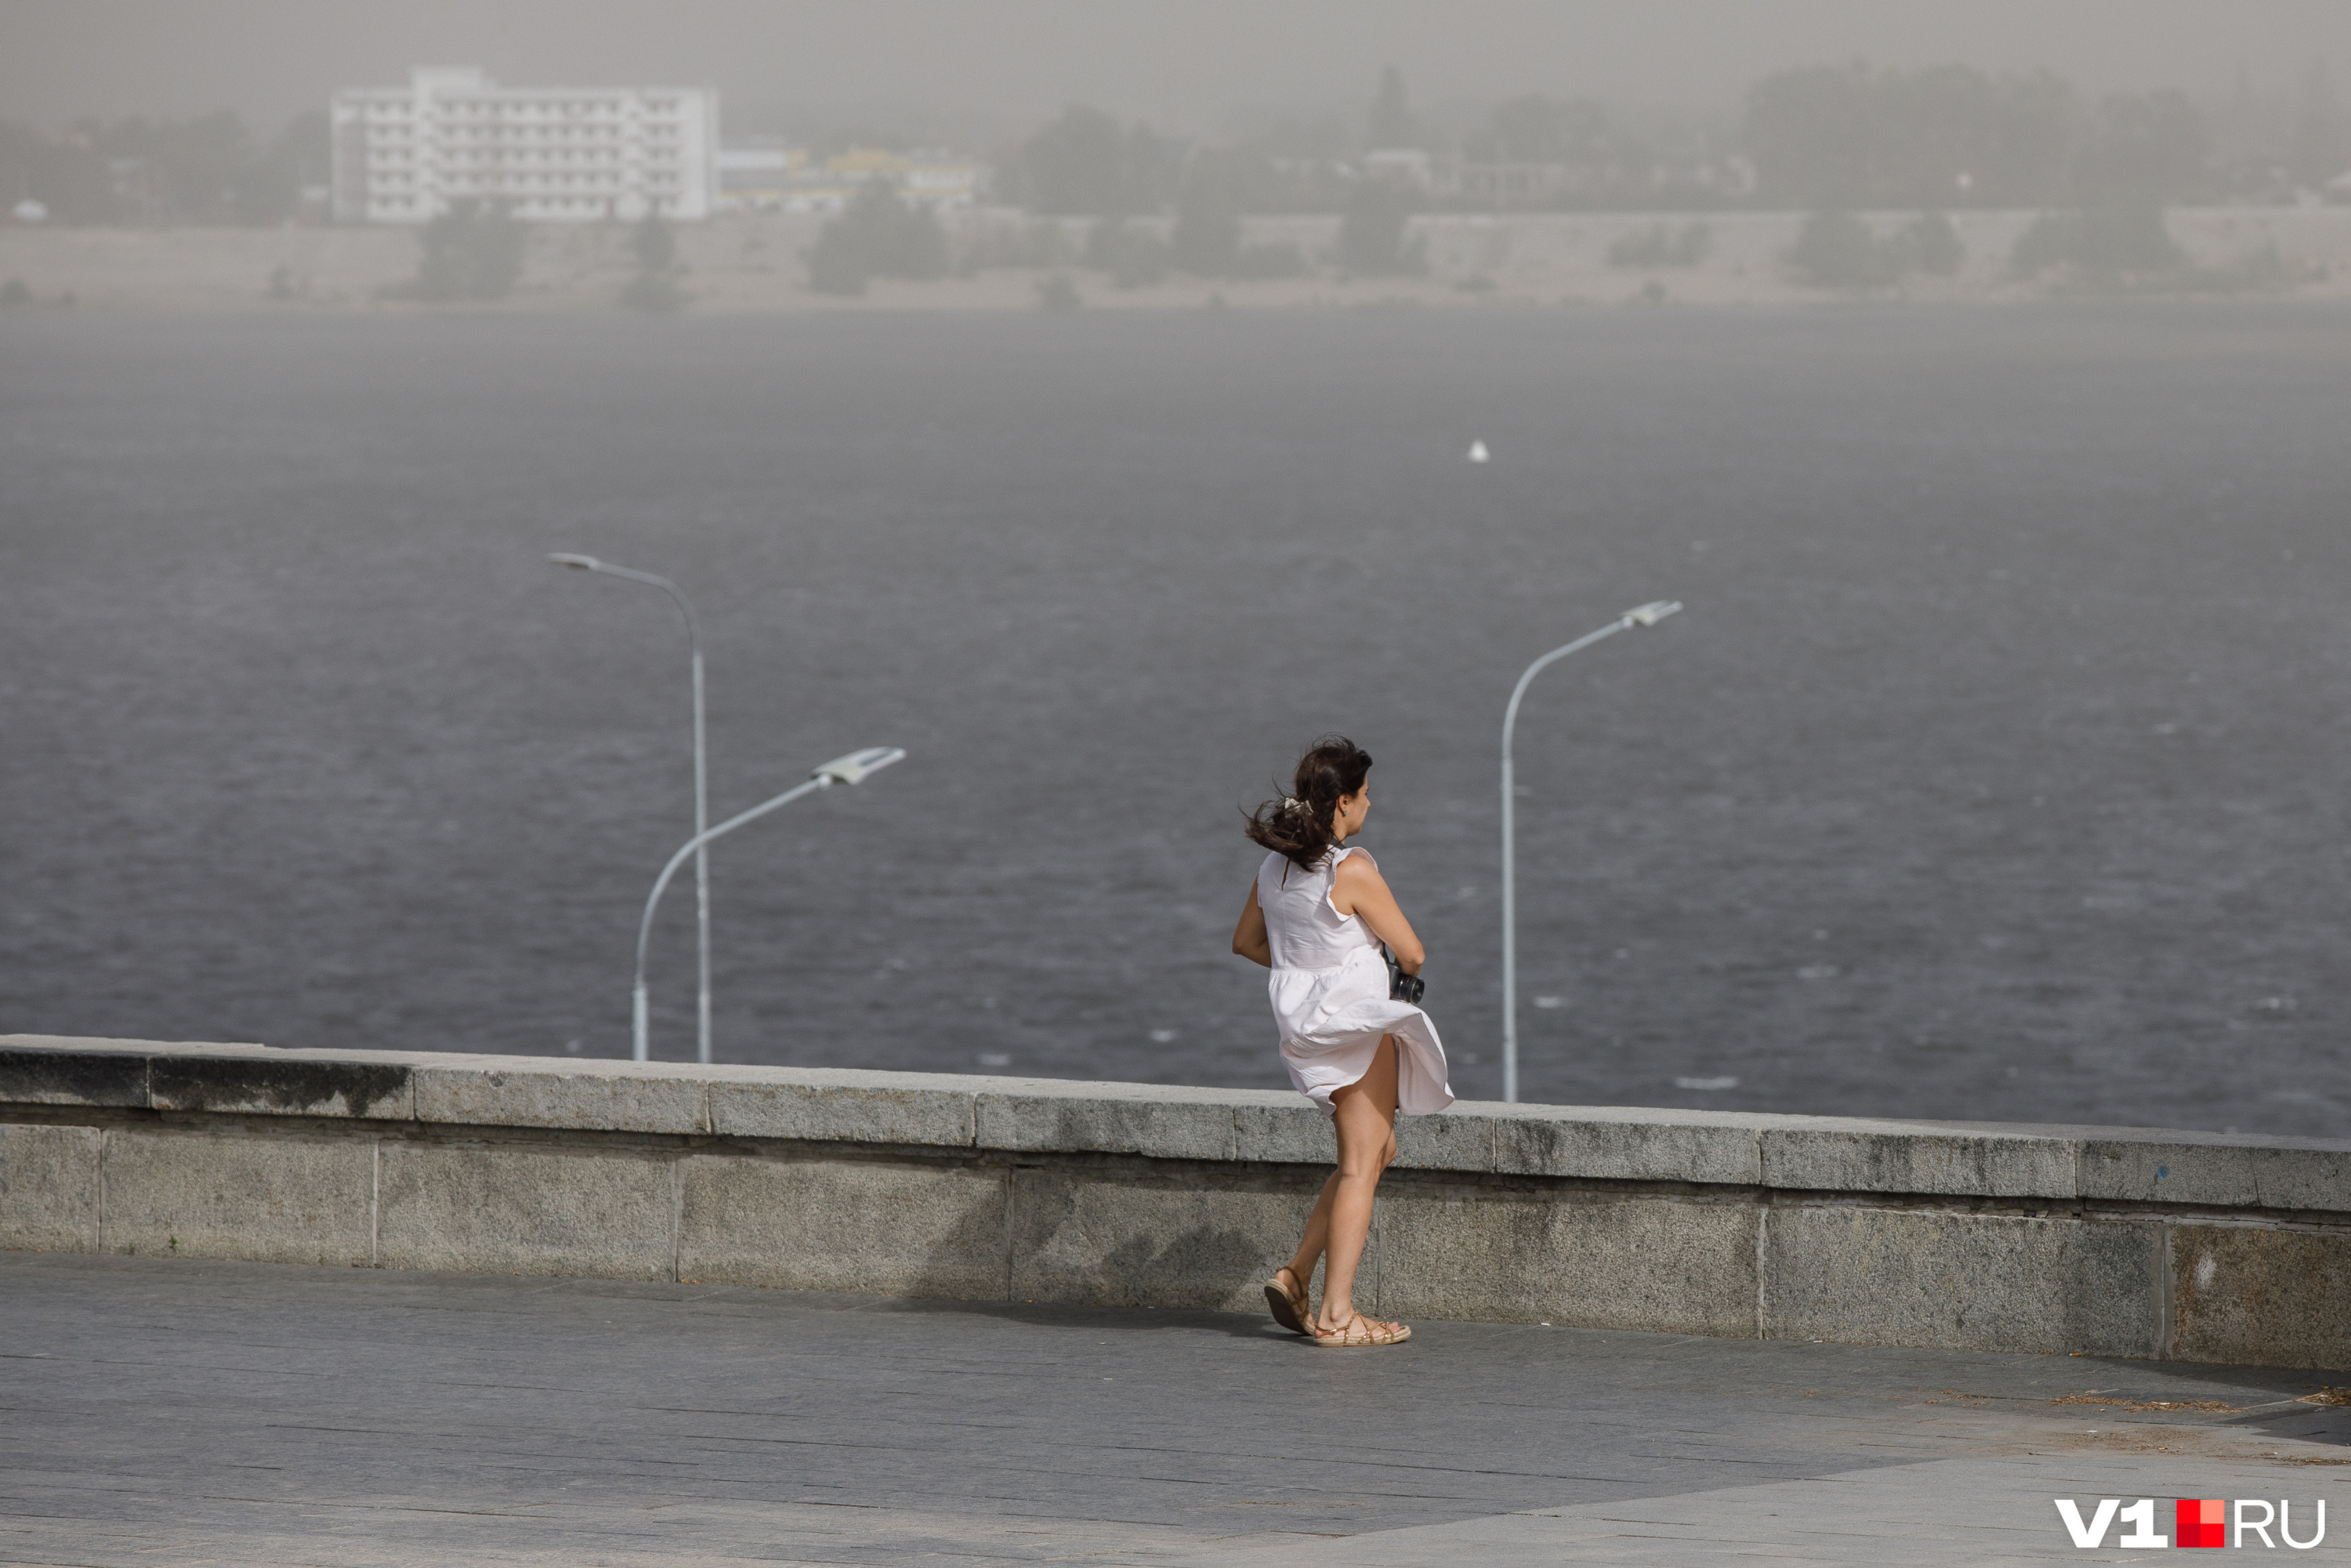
<point>853,767</point>
<point>578,562</point>
<point>1656,610</point>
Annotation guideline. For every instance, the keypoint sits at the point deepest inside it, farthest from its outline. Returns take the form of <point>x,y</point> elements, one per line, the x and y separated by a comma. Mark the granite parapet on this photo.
<point>2054,1164</point>
<point>2106,1240</point>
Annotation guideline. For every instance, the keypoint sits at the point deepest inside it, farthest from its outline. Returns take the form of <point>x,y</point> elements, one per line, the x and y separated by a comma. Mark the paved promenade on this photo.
<point>169,1412</point>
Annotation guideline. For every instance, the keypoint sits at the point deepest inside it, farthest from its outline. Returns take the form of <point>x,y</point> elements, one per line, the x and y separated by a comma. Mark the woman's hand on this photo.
<point>1359,890</point>
<point>1249,938</point>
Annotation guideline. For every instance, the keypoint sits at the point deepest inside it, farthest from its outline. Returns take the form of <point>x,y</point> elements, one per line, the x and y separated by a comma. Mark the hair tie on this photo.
<point>1291,803</point>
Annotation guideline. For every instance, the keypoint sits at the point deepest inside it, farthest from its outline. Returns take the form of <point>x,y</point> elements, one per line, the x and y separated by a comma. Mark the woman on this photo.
<point>1318,916</point>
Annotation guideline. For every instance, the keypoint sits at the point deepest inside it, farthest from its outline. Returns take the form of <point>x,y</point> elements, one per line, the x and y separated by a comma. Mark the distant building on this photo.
<point>1494,187</point>
<point>549,154</point>
<point>753,175</point>
<point>767,176</point>
<point>1502,186</point>
<point>1405,165</point>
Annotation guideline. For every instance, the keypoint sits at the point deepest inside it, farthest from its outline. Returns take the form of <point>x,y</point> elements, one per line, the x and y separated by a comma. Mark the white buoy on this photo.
<point>1477,452</point>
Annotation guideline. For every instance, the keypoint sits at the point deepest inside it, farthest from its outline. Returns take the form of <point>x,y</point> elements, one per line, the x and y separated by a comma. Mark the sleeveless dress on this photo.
<point>1330,993</point>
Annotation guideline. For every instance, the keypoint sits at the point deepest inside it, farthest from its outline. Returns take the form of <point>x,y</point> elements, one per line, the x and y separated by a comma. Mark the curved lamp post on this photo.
<point>701,775</point>
<point>849,770</point>
<point>1647,615</point>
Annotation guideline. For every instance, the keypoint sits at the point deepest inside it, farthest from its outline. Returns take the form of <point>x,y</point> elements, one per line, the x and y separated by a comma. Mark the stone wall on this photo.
<point>2109,1241</point>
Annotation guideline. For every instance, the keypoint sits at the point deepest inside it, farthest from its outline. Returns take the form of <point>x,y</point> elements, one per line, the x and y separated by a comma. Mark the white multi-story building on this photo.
<point>548,154</point>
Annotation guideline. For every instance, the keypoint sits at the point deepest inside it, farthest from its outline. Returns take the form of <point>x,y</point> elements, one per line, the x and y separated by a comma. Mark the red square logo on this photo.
<point>2201,1521</point>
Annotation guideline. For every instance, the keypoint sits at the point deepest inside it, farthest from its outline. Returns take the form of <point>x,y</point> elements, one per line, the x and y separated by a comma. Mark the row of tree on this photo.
<point>1827,136</point>
<point>208,171</point>
<point>1853,137</point>
<point>476,251</point>
<point>880,234</point>
<point>2118,244</point>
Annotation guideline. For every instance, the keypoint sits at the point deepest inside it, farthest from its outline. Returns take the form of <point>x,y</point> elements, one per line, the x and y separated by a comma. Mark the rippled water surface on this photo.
<point>1996,768</point>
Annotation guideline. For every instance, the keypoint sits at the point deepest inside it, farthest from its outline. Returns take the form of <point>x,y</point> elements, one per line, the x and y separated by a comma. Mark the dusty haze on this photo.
<point>1188,65</point>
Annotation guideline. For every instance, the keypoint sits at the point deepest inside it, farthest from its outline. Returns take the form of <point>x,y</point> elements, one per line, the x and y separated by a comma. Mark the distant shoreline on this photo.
<point>753,264</point>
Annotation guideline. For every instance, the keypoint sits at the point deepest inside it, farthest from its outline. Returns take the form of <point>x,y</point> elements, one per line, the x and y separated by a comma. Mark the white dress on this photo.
<point>1330,991</point>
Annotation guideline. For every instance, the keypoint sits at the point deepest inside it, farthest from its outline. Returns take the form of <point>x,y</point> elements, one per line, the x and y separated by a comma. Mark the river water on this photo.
<point>1995,769</point>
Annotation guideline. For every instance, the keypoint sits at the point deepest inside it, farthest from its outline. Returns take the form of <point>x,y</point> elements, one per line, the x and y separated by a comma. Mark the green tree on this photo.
<point>67,175</point>
<point>267,186</point>
<point>1846,136</point>
<point>1084,164</point>
<point>878,235</point>
<point>2110,240</point>
<point>1207,233</point>
<point>655,287</point>
<point>173,172</point>
<point>654,244</point>
<point>2321,147</point>
<point>1809,132</point>
<point>1837,250</point>
<point>1372,230</point>
<point>472,251</point>
<point>1135,257</point>
<point>138,170</point>
<point>1929,243</point>
<point>2144,148</point>
<point>1391,121</point>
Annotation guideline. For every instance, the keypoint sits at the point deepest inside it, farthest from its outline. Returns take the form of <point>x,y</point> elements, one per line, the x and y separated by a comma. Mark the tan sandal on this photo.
<point>1361,1330</point>
<point>1289,1307</point>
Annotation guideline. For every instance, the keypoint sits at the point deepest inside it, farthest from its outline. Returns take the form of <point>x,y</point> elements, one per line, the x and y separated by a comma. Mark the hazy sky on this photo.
<point>1187,64</point>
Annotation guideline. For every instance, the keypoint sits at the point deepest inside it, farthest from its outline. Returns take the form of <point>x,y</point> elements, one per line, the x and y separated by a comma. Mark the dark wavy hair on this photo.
<point>1299,825</point>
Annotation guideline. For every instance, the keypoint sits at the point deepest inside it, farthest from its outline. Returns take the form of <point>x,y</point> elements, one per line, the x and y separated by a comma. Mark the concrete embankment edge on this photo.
<point>2109,1241</point>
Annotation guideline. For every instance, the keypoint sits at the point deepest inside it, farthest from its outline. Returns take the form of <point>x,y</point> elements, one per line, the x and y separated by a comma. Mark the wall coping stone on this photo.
<point>1825,1154</point>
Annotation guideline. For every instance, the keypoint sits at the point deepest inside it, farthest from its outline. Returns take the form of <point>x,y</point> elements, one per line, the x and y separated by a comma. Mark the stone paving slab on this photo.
<point>171,1411</point>
<point>1934,1512</point>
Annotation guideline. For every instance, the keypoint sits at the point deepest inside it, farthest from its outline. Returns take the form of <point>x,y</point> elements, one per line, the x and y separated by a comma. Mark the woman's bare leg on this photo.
<point>1318,1236</point>
<point>1311,1246</point>
<point>1365,1115</point>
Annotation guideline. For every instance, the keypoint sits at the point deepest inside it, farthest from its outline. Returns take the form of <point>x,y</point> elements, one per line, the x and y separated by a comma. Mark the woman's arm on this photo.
<point>1249,939</point>
<point>1359,890</point>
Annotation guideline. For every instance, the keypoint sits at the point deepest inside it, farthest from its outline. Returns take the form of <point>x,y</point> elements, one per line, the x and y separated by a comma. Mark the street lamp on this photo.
<point>849,770</point>
<point>701,774</point>
<point>1647,615</point>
